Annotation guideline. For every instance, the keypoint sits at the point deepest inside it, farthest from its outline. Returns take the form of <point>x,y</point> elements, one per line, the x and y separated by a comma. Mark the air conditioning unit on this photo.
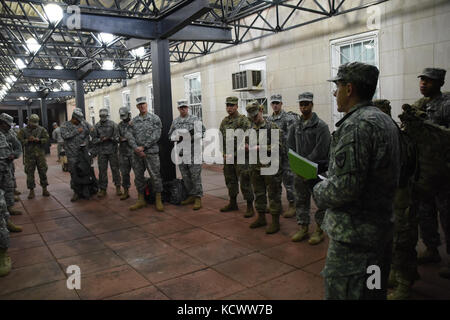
<point>248,80</point>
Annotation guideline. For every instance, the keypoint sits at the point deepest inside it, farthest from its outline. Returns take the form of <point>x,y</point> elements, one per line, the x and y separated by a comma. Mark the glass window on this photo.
<point>126,99</point>
<point>260,95</point>
<point>193,93</point>
<point>106,103</point>
<point>151,107</point>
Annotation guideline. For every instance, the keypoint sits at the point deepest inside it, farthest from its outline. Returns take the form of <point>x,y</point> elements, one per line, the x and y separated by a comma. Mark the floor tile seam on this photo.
<point>246,288</point>
<point>167,234</point>
<point>116,295</point>
<point>104,298</point>
<point>28,288</point>
<point>208,241</point>
<point>261,251</point>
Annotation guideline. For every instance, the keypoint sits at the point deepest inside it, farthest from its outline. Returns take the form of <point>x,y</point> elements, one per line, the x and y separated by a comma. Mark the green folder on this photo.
<point>302,166</point>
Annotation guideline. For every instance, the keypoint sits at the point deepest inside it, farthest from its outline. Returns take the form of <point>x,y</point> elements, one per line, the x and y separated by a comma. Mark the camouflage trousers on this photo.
<point>346,273</point>
<point>7,184</point>
<point>150,163</point>
<point>33,162</point>
<point>4,233</point>
<point>303,203</point>
<point>192,178</point>
<point>267,187</point>
<point>102,161</point>
<point>288,180</point>
<point>125,165</point>
<point>71,162</point>
<point>59,147</point>
<point>235,174</point>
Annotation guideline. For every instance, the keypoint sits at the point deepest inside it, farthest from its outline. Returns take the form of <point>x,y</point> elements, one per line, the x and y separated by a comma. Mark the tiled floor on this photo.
<point>178,254</point>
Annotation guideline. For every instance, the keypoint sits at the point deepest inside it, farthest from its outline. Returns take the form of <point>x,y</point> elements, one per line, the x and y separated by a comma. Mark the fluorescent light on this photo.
<point>10,79</point>
<point>32,89</point>
<point>139,52</point>
<point>20,64</point>
<point>54,12</point>
<point>66,86</point>
<point>32,45</point>
<point>56,90</point>
<point>58,67</point>
<point>108,65</point>
<point>106,38</point>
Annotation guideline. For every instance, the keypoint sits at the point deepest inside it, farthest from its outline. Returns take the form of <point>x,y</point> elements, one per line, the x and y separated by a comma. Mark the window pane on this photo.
<point>345,54</point>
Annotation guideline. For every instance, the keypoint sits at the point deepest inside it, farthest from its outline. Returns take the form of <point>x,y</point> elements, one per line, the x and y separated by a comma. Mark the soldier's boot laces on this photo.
<point>140,203</point>
<point>125,194</point>
<point>189,200</point>
<point>402,291</point>
<point>232,206</point>
<point>290,211</point>
<point>101,193</point>
<point>12,227</point>
<point>45,192</point>
<point>158,202</point>
<point>197,203</point>
<point>5,263</point>
<point>260,221</point>
<point>250,210</point>
<point>275,225</point>
<point>16,198</point>
<point>317,236</point>
<point>301,234</point>
<point>444,272</point>
<point>17,192</point>
<point>118,191</point>
<point>430,255</point>
<point>14,212</point>
<point>75,197</point>
<point>31,194</point>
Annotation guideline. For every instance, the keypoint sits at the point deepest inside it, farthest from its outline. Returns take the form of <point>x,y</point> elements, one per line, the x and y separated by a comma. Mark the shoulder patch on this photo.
<point>340,159</point>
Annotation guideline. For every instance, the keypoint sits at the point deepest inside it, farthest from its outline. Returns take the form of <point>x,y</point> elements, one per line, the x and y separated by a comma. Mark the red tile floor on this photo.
<point>178,254</point>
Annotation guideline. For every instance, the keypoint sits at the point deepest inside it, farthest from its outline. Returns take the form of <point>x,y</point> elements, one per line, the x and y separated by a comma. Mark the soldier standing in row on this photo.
<point>310,138</point>
<point>56,135</point>
<point>143,138</point>
<point>235,173</point>
<point>5,260</point>
<point>284,120</point>
<point>191,172</point>
<point>125,151</point>
<point>363,175</point>
<point>105,139</point>
<point>34,138</point>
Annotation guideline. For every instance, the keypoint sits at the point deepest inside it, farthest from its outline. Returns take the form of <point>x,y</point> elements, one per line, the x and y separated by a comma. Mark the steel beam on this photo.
<point>37,95</point>
<point>79,96</point>
<point>19,103</point>
<point>106,74</point>
<point>44,114</point>
<point>203,33</point>
<point>50,74</point>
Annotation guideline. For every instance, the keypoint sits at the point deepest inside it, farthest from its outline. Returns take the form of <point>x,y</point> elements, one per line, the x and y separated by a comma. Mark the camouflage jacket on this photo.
<point>239,121</point>
<point>74,139</point>
<point>362,178</point>
<point>268,126</point>
<point>108,130</point>
<point>56,135</point>
<point>312,140</point>
<point>5,152</point>
<point>14,142</point>
<point>191,124</point>
<point>283,120</point>
<point>145,132</point>
<point>124,147</point>
<point>438,110</point>
<point>33,148</point>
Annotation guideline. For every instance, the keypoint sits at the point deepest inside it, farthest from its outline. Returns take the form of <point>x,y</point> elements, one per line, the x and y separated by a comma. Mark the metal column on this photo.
<point>20,115</point>
<point>44,113</point>
<point>79,96</point>
<point>162,95</point>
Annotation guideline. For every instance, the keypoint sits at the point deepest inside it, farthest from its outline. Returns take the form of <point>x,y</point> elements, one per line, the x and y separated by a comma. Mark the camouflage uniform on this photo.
<point>145,132</point>
<point>125,151</point>
<point>34,153</point>
<point>4,216</point>
<point>56,135</point>
<point>107,151</point>
<point>16,146</point>
<point>358,194</point>
<point>6,179</point>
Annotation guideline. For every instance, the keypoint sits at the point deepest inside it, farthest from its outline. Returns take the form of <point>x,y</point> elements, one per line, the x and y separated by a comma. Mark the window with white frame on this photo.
<point>260,95</point>
<point>361,48</point>
<point>126,99</point>
<point>151,107</point>
<point>193,93</point>
<point>106,103</point>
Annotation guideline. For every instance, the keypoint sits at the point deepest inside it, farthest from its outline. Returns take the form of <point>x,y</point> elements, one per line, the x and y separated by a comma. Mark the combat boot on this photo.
<point>275,225</point>
<point>290,211</point>
<point>430,255</point>
<point>250,210</point>
<point>16,198</point>
<point>101,193</point>
<point>17,192</point>
<point>260,221</point>
<point>232,206</point>
<point>125,194</point>
<point>444,272</point>
<point>301,234</point>
<point>158,202</point>
<point>118,191</point>
<point>14,212</point>
<point>31,194</point>
<point>12,227</point>
<point>139,204</point>
<point>317,236</point>
<point>5,263</point>
<point>45,192</point>
<point>402,291</point>
<point>189,200</point>
<point>197,203</point>
<point>75,197</point>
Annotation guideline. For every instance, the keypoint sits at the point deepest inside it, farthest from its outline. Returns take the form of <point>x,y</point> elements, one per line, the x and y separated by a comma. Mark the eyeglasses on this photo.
<point>304,103</point>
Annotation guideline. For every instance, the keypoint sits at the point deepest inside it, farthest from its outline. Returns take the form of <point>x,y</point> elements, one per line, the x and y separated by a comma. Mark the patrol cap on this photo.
<point>252,108</point>
<point>141,100</point>
<point>305,96</point>
<point>357,72</point>
<point>34,119</point>
<point>232,100</point>
<point>276,98</point>
<point>433,73</point>
<point>103,112</point>
<point>54,124</point>
<point>182,103</point>
<point>124,112</point>
<point>78,114</point>
<point>6,118</point>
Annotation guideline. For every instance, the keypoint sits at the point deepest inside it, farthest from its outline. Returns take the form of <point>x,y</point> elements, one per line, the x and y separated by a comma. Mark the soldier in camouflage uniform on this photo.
<point>105,139</point>
<point>125,151</point>
<point>284,120</point>
<point>310,138</point>
<point>5,260</point>
<point>143,138</point>
<point>34,138</point>
<point>236,173</point>
<point>192,171</point>
<point>265,186</point>
<point>362,178</point>
<point>76,132</point>
<point>56,135</point>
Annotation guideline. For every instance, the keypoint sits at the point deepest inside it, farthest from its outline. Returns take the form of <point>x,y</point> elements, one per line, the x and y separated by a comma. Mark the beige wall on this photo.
<point>414,34</point>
